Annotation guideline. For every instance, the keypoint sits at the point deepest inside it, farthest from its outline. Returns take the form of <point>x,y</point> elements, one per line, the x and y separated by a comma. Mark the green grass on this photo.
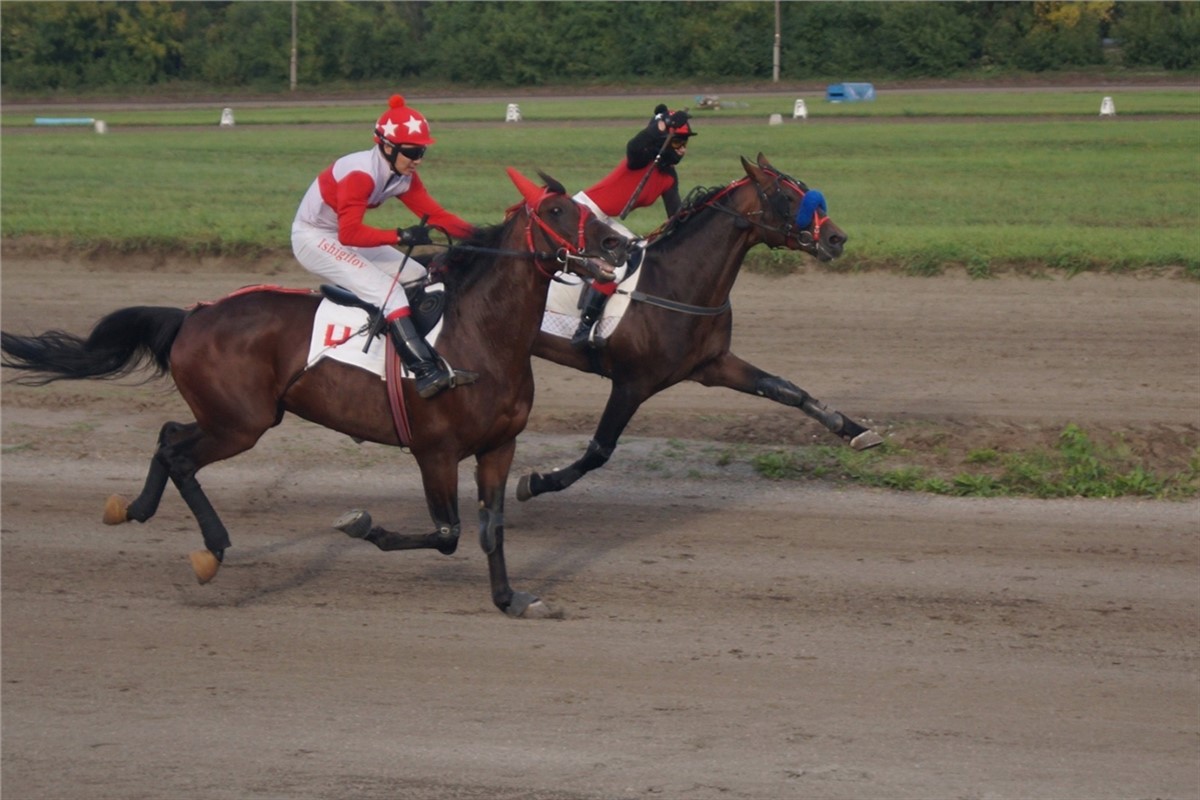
<point>1077,468</point>
<point>924,196</point>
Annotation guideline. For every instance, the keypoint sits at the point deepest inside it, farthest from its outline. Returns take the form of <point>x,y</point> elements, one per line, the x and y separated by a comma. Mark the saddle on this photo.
<point>426,306</point>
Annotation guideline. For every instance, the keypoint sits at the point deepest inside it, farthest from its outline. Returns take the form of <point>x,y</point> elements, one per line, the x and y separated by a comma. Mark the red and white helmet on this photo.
<point>402,124</point>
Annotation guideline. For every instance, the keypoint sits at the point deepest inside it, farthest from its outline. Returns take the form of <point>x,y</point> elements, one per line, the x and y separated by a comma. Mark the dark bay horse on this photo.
<point>240,363</point>
<point>679,325</point>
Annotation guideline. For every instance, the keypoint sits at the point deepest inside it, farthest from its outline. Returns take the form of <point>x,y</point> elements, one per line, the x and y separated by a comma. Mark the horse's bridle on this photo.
<point>790,230</point>
<point>567,251</point>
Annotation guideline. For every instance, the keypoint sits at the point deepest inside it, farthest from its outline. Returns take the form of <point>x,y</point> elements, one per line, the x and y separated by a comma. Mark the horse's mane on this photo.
<point>696,201</point>
<point>471,258</point>
<point>701,197</point>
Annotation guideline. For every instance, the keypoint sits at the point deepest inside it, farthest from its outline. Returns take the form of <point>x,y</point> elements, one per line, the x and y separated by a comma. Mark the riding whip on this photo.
<point>377,321</point>
<point>641,184</point>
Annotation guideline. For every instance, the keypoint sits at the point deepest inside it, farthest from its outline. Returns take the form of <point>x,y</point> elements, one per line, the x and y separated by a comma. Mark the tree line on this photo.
<point>64,46</point>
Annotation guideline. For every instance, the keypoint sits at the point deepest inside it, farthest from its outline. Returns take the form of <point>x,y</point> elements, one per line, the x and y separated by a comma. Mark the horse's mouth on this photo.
<point>602,270</point>
<point>826,252</point>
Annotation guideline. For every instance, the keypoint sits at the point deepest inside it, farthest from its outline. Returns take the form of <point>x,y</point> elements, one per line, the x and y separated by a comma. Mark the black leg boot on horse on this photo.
<point>593,307</point>
<point>432,374</point>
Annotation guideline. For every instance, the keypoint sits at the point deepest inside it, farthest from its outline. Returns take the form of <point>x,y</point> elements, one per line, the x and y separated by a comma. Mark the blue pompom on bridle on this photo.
<point>812,202</point>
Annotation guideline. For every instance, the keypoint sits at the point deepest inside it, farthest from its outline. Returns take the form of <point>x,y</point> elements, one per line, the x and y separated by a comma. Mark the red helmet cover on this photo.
<point>402,124</point>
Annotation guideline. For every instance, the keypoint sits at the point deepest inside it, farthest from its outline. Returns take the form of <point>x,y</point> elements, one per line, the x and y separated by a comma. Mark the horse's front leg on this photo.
<point>734,373</point>
<point>439,474</point>
<point>623,402</point>
<point>491,476</point>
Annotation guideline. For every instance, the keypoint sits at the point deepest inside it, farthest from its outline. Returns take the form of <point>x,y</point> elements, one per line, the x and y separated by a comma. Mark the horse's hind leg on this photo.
<point>118,509</point>
<point>182,451</point>
<point>734,373</point>
<point>185,449</point>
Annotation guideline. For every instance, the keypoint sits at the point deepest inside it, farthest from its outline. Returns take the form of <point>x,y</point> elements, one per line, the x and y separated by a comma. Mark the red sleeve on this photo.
<point>419,202</point>
<point>352,193</point>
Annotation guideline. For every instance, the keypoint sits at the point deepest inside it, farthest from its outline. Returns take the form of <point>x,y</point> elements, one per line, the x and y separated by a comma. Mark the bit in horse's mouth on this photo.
<point>604,270</point>
<point>826,254</point>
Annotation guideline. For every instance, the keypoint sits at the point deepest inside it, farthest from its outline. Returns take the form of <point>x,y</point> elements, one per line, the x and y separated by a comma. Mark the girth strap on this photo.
<point>395,392</point>
<point>675,305</point>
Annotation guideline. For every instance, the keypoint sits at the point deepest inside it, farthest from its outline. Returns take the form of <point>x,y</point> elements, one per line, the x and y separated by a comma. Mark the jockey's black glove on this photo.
<point>416,235</point>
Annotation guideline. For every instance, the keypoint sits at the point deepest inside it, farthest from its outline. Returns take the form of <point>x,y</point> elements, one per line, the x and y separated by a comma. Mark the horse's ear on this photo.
<point>753,170</point>
<point>762,162</point>
<point>554,186</point>
<point>529,190</point>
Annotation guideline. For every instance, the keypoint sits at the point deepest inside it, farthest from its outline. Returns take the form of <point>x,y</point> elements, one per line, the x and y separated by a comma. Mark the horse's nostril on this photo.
<point>612,243</point>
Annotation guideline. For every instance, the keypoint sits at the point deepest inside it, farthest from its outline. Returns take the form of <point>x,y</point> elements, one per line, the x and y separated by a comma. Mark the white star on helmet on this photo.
<point>414,125</point>
<point>389,129</point>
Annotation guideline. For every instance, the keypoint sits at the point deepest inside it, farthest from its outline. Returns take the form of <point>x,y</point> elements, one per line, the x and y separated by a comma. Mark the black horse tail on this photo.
<point>120,344</point>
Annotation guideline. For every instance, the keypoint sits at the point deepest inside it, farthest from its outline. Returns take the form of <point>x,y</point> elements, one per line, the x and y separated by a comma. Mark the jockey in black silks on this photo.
<point>645,174</point>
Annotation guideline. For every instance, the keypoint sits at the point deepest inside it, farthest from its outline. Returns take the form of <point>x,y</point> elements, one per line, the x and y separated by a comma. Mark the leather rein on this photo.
<point>566,253</point>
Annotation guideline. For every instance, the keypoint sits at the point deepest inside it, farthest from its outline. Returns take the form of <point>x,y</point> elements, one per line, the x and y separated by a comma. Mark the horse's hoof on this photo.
<point>526,606</point>
<point>115,508</point>
<point>523,491</point>
<point>539,610</point>
<point>866,440</point>
<point>205,565</point>
<point>356,524</point>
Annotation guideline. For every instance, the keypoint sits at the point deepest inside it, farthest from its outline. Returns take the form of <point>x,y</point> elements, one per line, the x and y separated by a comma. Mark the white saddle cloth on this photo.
<point>339,332</point>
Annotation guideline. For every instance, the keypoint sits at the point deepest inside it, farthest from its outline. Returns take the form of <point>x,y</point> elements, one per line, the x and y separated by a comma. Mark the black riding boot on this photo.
<point>431,372</point>
<point>593,306</point>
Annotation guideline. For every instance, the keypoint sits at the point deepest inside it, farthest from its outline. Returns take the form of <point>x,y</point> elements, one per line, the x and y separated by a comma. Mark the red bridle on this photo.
<point>566,249</point>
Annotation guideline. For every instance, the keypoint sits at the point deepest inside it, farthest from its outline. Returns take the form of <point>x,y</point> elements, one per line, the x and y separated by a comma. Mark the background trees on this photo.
<point>49,46</point>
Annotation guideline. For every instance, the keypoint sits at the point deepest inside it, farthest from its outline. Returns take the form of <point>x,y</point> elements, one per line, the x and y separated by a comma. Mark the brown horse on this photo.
<point>240,363</point>
<point>679,325</point>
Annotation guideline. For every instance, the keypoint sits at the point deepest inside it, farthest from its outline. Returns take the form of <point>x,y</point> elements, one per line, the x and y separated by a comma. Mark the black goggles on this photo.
<point>413,152</point>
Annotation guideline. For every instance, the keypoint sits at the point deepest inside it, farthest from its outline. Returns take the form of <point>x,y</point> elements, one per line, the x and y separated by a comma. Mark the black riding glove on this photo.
<point>416,235</point>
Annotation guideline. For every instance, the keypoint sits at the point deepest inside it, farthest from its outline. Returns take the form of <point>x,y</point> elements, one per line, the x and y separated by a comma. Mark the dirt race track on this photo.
<point>721,636</point>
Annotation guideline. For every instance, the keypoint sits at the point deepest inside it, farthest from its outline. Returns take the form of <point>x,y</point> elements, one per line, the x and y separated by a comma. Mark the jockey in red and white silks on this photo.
<point>330,239</point>
<point>329,236</point>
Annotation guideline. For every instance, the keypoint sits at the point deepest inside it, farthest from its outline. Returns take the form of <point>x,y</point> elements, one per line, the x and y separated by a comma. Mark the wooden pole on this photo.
<point>292,70</point>
<point>778,39</point>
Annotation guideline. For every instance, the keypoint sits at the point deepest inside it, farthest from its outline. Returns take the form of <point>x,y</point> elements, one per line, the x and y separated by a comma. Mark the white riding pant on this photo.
<point>369,272</point>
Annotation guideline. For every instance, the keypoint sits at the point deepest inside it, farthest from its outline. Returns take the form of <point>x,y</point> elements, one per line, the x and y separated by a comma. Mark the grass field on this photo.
<point>1042,183</point>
